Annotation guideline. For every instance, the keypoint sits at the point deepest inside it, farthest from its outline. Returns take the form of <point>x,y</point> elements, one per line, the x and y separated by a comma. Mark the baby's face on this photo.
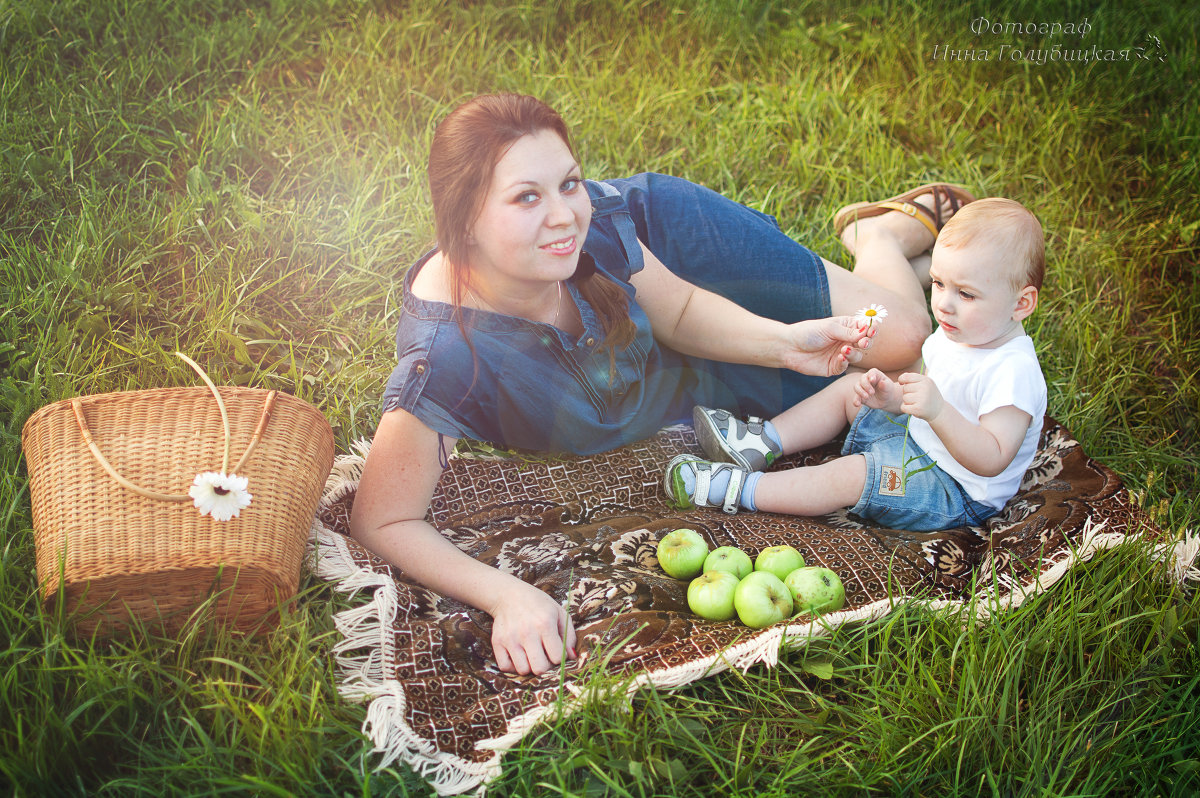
<point>972,297</point>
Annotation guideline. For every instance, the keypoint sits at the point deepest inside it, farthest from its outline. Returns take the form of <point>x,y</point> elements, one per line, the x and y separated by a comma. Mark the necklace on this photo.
<point>557,306</point>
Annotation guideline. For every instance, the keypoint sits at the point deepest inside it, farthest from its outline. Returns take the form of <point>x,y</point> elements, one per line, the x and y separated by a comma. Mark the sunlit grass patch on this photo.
<point>245,183</point>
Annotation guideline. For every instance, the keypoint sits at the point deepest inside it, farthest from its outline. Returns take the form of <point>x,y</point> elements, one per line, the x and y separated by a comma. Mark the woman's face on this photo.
<point>534,218</point>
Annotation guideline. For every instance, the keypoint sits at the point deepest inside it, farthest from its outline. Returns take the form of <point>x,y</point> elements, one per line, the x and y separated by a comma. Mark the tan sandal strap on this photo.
<point>916,211</point>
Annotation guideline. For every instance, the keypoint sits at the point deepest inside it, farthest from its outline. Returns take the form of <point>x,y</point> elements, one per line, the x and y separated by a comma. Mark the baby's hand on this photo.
<point>920,397</point>
<point>875,389</point>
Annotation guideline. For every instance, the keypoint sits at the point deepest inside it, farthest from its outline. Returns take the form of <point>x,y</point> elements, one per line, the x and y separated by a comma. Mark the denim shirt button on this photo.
<point>421,368</point>
<point>590,341</point>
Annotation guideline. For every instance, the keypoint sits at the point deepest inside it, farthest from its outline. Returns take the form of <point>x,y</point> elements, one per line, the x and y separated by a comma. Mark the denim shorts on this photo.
<point>900,491</point>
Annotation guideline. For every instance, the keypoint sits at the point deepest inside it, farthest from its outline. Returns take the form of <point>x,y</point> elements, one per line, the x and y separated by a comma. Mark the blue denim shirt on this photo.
<point>530,385</point>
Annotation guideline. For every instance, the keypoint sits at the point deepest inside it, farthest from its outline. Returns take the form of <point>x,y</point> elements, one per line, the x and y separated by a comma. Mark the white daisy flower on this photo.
<point>871,315</point>
<point>220,495</point>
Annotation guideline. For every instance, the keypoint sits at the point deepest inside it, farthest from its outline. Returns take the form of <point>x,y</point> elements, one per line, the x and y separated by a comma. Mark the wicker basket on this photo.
<point>117,536</point>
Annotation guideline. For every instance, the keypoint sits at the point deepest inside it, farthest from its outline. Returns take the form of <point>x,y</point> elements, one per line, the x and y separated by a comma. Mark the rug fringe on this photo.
<point>387,728</point>
<point>765,648</point>
<point>1092,540</point>
<point>366,652</point>
<point>363,628</point>
<point>1181,557</point>
<point>346,471</point>
<point>363,657</point>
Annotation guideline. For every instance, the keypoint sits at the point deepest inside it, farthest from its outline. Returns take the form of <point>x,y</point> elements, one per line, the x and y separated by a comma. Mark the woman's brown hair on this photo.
<point>466,147</point>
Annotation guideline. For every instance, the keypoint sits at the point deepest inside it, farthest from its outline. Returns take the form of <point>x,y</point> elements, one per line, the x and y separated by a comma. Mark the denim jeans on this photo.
<point>898,493</point>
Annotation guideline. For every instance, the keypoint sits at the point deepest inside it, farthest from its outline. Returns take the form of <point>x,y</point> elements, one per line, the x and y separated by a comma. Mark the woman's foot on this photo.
<point>911,224</point>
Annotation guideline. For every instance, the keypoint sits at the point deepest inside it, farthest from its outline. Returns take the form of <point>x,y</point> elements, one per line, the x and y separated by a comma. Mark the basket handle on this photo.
<point>264,417</point>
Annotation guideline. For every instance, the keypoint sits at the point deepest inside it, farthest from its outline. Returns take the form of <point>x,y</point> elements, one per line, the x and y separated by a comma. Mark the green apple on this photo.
<point>779,560</point>
<point>710,595</point>
<point>681,553</point>
<point>816,590</point>
<point>730,559</point>
<point>762,599</point>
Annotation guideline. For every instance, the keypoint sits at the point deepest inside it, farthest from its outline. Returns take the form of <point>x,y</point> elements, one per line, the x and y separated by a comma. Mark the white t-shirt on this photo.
<point>976,381</point>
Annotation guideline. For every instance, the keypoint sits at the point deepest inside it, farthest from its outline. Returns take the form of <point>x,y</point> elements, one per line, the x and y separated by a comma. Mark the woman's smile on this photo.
<point>565,246</point>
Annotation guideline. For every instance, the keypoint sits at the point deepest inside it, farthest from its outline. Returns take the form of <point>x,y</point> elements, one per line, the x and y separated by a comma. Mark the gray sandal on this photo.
<point>704,471</point>
<point>743,443</point>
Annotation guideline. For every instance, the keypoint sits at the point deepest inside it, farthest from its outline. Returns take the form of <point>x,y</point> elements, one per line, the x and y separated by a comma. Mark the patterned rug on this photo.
<point>585,529</point>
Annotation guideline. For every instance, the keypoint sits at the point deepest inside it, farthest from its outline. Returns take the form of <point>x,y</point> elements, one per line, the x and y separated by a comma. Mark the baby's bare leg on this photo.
<point>820,418</point>
<point>813,490</point>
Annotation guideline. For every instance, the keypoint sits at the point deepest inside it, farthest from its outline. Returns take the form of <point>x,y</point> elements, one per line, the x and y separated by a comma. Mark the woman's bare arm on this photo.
<point>402,469</point>
<point>695,321</point>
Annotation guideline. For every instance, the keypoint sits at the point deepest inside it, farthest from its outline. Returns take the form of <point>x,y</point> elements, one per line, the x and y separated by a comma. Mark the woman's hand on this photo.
<point>531,633</point>
<point>825,347</point>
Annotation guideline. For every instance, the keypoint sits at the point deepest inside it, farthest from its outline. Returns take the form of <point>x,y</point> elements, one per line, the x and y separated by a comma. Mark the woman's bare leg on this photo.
<point>920,266</point>
<point>882,246</point>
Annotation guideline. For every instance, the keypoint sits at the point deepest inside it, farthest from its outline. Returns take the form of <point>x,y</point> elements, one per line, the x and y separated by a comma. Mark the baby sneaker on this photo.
<point>752,444</point>
<point>690,482</point>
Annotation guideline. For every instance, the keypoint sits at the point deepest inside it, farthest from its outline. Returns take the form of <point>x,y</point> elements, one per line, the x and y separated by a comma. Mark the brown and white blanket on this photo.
<point>584,529</point>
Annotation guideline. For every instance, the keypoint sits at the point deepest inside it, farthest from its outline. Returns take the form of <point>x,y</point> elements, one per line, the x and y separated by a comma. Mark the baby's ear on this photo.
<point>1027,300</point>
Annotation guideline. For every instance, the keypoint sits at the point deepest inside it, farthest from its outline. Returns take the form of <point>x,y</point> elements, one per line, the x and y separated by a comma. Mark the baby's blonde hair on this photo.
<point>1007,226</point>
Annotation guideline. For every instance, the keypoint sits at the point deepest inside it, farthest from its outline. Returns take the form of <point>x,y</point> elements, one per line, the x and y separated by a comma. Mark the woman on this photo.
<point>545,285</point>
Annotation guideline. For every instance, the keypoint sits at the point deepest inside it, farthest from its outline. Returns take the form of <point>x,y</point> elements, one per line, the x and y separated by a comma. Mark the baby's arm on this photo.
<point>986,448</point>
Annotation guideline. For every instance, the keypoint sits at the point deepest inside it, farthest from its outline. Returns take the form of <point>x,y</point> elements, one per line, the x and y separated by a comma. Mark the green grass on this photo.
<point>244,182</point>
<point>1085,692</point>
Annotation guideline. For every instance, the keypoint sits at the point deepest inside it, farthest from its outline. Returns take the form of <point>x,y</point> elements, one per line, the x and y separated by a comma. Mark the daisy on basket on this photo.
<point>967,419</point>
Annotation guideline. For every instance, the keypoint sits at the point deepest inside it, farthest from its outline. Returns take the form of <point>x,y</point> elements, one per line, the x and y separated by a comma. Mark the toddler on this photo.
<point>942,445</point>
